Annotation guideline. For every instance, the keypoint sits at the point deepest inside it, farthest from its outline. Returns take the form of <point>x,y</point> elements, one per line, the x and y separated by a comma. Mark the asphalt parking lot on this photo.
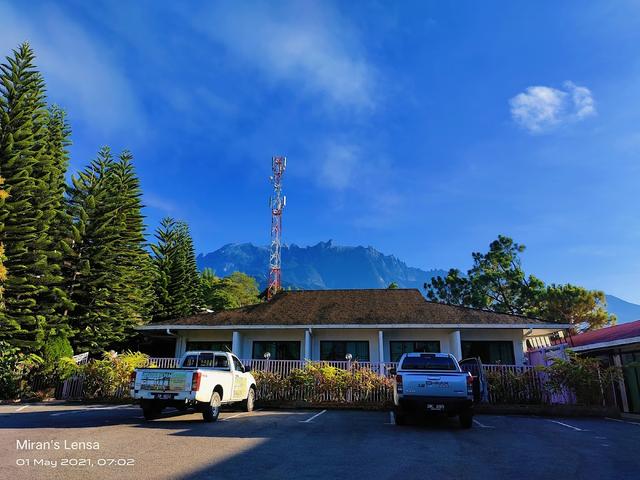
<point>283,444</point>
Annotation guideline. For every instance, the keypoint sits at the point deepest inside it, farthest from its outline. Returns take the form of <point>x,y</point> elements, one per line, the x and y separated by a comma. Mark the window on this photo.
<point>489,351</point>
<point>214,346</point>
<point>221,362</point>
<point>336,350</point>
<point>398,348</point>
<point>205,360</point>
<point>278,350</point>
<point>237,364</point>
<point>428,362</point>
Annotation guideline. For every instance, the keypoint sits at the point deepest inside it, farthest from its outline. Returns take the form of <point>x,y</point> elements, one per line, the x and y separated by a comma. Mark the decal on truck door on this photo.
<point>239,386</point>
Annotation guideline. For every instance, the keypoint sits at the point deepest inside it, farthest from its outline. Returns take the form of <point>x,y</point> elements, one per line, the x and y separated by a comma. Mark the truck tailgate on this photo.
<point>435,384</point>
<point>161,380</point>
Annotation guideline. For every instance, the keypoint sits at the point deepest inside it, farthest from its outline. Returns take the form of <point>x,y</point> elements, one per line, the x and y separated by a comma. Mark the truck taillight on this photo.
<point>132,380</point>
<point>470,384</point>
<point>195,381</point>
<point>399,383</point>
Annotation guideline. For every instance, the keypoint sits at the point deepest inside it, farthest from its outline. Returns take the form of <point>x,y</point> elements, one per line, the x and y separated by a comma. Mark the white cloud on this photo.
<point>339,166</point>
<point>300,43</point>
<point>77,70</point>
<point>540,109</point>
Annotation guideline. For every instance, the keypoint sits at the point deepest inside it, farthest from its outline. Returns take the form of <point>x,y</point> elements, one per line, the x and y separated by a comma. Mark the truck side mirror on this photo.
<point>247,368</point>
<point>392,371</point>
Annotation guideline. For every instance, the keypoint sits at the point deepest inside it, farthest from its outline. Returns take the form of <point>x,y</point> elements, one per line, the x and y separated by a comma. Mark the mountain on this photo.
<point>320,266</point>
<point>326,265</point>
<point>625,311</point>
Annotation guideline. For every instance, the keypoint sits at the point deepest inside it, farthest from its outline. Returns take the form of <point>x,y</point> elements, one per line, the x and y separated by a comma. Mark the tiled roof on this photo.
<point>340,307</point>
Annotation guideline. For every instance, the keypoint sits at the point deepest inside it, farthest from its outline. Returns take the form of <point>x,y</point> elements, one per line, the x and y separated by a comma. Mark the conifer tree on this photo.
<point>110,268</point>
<point>177,284</point>
<point>27,215</point>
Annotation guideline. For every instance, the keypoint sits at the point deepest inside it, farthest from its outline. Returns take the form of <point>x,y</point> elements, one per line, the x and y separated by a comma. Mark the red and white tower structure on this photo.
<point>277,203</point>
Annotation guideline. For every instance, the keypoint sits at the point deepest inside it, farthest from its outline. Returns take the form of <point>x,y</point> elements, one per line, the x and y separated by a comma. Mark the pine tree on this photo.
<point>110,270</point>
<point>134,262</point>
<point>27,215</point>
<point>177,283</point>
<point>53,187</point>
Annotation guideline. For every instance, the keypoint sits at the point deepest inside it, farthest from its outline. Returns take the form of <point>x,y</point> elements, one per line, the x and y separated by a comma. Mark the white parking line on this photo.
<point>315,416</point>
<point>482,425</point>
<point>91,409</point>
<point>240,414</point>
<point>621,421</point>
<point>392,419</point>
<point>22,408</point>
<point>568,426</point>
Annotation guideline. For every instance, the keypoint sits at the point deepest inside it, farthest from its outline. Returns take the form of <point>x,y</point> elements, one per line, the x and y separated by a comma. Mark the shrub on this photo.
<point>582,376</point>
<point>15,367</point>
<point>319,382</point>
<point>515,387</point>
<point>109,377</point>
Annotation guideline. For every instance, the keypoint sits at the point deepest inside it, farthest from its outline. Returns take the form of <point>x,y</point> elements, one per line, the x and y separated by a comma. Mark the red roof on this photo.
<point>609,334</point>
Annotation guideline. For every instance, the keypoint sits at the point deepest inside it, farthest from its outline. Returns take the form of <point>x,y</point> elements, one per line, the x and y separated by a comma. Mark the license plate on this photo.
<point>163,396</point>
<point>435,406</point>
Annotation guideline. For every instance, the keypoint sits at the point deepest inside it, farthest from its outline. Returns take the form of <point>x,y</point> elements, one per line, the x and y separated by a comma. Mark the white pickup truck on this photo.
<point>204,381</point>
<point>427,383</point>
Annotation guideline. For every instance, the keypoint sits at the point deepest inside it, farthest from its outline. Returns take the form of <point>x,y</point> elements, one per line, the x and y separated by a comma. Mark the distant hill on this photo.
<point>625,311</point>
<point>326,265</point>
<point>320,266</point>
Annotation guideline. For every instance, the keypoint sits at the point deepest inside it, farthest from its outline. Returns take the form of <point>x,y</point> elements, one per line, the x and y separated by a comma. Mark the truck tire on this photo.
<point>211,411</point>
<point>249,404</point>
<point>466,419</point>
<point>150,410</point>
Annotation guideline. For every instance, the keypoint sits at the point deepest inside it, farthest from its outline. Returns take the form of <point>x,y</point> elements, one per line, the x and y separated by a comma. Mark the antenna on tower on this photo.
<point>277,203</point>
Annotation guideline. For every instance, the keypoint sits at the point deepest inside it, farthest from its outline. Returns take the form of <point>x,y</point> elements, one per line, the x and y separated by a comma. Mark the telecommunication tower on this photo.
<point>277,203</point>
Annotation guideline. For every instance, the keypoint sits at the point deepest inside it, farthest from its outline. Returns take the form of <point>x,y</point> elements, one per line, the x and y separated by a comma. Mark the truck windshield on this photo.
<point>428,362</point>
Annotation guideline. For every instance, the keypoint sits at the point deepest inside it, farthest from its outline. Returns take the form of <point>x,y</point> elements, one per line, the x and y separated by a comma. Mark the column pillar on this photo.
<point>307,344</point>
<point>181,346</point>
<point>236,344</point>
<point>380,346</point>
<point>455,347</point>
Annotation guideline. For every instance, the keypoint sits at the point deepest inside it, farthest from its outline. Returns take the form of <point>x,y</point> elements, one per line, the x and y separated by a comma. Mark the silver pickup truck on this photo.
<point>427,383</point>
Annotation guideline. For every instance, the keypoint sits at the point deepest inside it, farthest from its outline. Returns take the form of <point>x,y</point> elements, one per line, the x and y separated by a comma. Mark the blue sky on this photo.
<point>421,128</point>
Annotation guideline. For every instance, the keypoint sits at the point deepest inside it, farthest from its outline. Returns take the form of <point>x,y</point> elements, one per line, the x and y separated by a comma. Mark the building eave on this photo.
<point>603,345</point>
<point>382,326</point>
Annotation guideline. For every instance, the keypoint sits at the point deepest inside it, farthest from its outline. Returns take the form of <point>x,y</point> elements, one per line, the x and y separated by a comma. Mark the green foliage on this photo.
<point>109,270</point>
<point>586,309</point>
<point>582,376</point>
<point>109,377</point>
<point>393,286</point>
<point>33,299</point>
<point>515,387</point>
<point>15,368</point>
<point>236,290</point>
<point>319,382</point>
<point>56,349</point>
<point>177,283</point>
<point>497,282</point>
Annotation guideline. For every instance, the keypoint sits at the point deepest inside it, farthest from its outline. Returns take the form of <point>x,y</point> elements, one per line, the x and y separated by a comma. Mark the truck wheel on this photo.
<point>401,418</point>
<point>151,411</point>
<point>466,419</point>
<point>249,403</point>
<point>211,411</point>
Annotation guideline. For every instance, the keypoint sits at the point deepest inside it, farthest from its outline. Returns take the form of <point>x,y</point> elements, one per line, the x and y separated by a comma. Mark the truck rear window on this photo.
<point>428,362</point>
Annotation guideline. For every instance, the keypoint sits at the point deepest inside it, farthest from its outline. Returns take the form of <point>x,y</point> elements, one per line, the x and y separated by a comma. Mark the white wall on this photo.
<point>355,334</point>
